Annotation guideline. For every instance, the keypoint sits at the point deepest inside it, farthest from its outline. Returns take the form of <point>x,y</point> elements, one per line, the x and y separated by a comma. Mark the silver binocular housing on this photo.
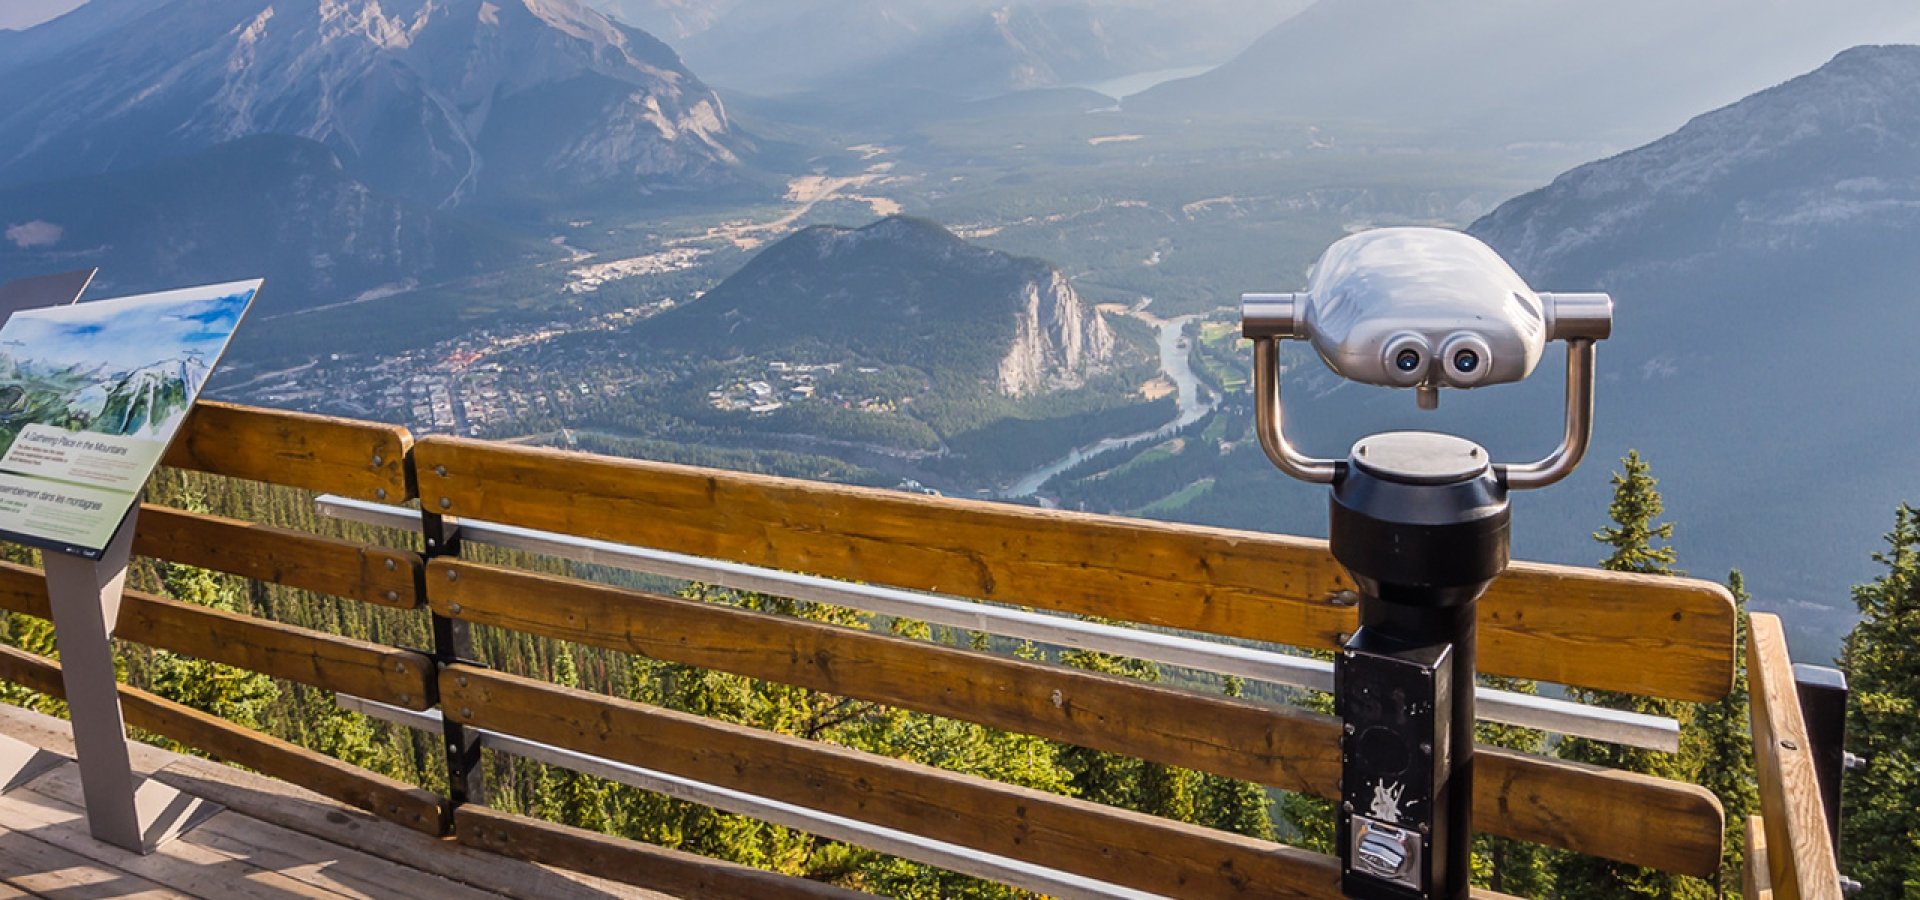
<point>1425,308</point>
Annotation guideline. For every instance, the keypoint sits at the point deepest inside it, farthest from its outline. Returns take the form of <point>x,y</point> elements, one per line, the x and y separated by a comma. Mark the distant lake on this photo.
<point>1127,85</point>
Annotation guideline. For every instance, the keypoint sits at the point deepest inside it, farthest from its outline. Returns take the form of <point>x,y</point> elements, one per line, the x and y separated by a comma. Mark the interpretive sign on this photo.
<point>90,396</point>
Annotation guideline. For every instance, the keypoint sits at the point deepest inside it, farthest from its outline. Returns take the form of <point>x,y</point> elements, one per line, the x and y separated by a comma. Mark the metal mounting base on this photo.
<point>165,813</point>
<point>161,812</point>
<point>21,762</point>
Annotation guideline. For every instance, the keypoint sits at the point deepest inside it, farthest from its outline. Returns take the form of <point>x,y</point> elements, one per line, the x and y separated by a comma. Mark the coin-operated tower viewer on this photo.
<point>1419,519</point>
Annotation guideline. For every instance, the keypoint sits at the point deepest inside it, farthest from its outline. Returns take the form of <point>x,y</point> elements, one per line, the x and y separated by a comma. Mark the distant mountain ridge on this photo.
<point>270,205</point>
<point>1496,71</point>
<point>907,292</point>
<point>963,49</point>
<point>436,100</point>
<point>1763,264</point>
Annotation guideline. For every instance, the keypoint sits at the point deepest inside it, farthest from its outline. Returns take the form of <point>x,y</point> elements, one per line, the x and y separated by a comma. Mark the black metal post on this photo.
<point>1421,523</point>
<point>453,643</point>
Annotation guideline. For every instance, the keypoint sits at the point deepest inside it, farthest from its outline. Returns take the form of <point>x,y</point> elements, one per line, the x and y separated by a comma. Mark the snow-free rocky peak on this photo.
<point>439,100</point>
<point>907,292</point>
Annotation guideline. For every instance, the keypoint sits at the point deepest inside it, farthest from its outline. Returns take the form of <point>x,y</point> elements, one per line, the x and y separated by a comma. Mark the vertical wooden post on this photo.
<point>1800,859</point>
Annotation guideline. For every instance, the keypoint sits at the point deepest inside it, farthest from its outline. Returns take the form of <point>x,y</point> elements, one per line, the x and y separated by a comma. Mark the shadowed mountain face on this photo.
<point>436,101</point>
<point>1496,71</point>
<point>271,205</point>
<point>1763,264</point>
<point>904,292</point>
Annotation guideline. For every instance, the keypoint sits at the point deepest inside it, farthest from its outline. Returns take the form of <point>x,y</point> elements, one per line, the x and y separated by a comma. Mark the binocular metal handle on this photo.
<point>1573,443</point>
<point>1267,415</point>
<point>1269,423</point>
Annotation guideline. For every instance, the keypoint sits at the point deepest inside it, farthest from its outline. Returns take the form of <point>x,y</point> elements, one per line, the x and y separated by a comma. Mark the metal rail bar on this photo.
<point>1251,663</point>
<point>951,857</point>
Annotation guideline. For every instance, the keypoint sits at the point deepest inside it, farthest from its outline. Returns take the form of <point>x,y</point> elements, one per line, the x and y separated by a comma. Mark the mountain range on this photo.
<point>438,101</point>
<point>1763,264</point>
<point>1497,72</point>
<point>275,206</point>
<point>966,49</point>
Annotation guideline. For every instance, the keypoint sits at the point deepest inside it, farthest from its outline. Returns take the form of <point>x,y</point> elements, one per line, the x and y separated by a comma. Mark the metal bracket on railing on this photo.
<point>452,645</point>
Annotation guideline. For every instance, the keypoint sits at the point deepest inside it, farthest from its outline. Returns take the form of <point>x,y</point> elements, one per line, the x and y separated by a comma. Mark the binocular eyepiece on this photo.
<point>1425,308</point>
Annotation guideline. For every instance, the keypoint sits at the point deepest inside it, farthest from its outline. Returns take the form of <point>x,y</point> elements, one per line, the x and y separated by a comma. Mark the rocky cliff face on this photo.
<point>905,292</point>
<point>436,100</point>
<point>1057,340</point>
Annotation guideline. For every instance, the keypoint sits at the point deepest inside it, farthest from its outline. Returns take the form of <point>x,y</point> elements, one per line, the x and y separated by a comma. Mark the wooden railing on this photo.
<point>1790,855</point>
<point>1552,623</point>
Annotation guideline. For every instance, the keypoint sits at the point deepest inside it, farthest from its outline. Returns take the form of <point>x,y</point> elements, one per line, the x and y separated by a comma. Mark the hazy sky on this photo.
<point>28,13</point>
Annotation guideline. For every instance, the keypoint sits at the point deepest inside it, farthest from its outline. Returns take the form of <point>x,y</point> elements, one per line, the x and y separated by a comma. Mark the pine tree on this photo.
<point>1636,541</point>
<point>235,694</point>
<point>578,799</point>
<point>1880,829</point>
<point>1229,804</point>
<point>1099,776</point>
<point>1636,504</point>
<point>1310,816</point>
<point>1519,868</point>
<point>1718,750</point>
<point>342,734</point>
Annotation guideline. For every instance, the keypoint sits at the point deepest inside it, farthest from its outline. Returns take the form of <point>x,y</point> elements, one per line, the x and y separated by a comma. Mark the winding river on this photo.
<point>1176,363</point>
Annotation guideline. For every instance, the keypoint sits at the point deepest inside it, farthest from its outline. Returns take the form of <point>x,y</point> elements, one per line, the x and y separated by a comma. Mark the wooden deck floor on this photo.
<point>272,841</point>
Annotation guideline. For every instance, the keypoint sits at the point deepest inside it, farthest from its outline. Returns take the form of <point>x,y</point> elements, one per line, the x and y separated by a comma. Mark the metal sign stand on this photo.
<point>125,810</point>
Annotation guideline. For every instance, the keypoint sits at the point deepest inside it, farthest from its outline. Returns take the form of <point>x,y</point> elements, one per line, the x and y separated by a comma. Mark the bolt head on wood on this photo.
<point>453,575</point>
<point>378,461</point>
<point>391,565</point>
<point>453,608</point>
<point>393,596</point>
<point>466,712</point>
<point>446,503</point>
<point>380,493</point>
<point>440,471</point>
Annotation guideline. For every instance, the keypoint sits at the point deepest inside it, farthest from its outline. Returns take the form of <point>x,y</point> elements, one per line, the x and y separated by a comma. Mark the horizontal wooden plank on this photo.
<point>1799,850</point>
<point>392,800</point>
<point>377,575</point>
<point>1571,625</point>
<point>1113,845</point>
<point>631,862</point>
<point>365,460</point>
<point>1286,748</point>
<point>1624,816</point>
<point>363,669</point>
<point>1554,623</point>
